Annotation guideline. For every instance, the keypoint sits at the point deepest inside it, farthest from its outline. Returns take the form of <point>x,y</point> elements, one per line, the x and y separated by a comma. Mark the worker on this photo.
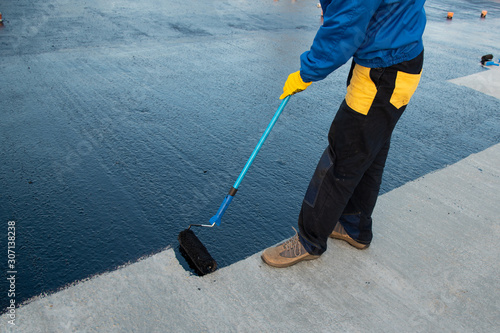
<point>384,40</point>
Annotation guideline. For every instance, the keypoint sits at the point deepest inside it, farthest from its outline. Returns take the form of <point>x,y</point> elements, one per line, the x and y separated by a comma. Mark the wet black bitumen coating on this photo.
<point>123,122</point>
<point>195,251</point>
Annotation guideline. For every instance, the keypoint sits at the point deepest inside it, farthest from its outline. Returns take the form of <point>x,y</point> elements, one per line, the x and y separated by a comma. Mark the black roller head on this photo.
<point>486,58</point>
<point>197,252</point>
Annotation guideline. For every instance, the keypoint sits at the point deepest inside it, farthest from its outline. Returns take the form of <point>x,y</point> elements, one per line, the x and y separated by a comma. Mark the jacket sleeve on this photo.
<point>344,29</point>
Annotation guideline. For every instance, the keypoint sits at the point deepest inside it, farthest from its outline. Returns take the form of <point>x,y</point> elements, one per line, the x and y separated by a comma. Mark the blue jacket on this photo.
<point>377,33</point>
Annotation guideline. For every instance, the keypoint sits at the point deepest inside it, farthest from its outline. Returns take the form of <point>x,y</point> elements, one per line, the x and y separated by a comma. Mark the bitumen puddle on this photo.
<point>124,122</point>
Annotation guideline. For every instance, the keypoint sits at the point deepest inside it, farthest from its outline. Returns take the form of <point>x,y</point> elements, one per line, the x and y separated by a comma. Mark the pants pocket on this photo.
<point>404,88</point>
<point>361,90</point>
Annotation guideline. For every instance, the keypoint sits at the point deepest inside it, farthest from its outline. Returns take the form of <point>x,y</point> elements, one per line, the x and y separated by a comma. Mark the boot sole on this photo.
<point>349,240</point>
<point>308,257</point>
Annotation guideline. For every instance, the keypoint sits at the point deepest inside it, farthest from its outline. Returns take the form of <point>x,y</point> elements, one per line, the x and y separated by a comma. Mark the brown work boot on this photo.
<point>287,254</point>
<point>340,233</point>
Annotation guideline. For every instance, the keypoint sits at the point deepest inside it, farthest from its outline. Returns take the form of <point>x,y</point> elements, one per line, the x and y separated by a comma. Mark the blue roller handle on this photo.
<point>216,219</point>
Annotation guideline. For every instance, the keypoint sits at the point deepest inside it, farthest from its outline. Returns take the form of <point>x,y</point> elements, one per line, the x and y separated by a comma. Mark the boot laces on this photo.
<point>293,246</point>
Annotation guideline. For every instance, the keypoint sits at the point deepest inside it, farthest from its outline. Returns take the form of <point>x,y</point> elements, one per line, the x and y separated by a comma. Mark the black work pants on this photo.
<point>347,179</point>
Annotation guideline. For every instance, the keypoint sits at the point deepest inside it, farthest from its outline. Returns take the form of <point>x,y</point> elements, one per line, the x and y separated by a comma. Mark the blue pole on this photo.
<point>216,219</point>
<point>261,142</point>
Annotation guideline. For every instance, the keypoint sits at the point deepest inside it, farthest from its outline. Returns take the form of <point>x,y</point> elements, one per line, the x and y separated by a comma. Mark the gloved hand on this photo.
<point>294,84</point>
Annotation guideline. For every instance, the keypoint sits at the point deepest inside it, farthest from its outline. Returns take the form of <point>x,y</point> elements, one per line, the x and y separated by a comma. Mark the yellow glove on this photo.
<point>294,84</point>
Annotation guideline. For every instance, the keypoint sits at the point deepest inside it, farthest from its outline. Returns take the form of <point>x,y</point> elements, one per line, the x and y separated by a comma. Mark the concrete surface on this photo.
<point>487,82</point>
<point>433,267</point>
